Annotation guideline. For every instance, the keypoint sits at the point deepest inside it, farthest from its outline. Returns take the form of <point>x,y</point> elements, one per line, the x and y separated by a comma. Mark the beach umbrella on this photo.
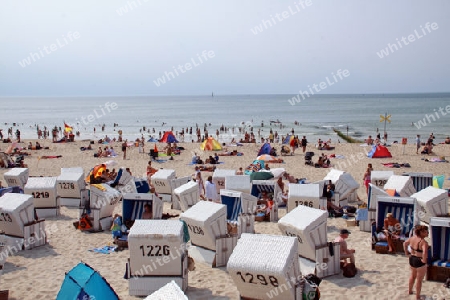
<point>261,176</point>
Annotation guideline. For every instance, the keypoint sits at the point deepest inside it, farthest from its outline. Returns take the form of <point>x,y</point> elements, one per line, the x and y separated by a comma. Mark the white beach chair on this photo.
<point>240,183</point>
<point>46,199</point>
<point>103,199</point>
<point>403,185</point>
<point>174,184</point>
<point>21,230</point>
<point>379,178</point>
<point>304,194</point>
<point>161,180</point>
<point>439,262</point>
<point>186,195</point>
<point>207,226</point>
<point>150,242</point>
<point>345,185</point>
<point>16,177</point>
<point>170,291</point>
<point>309,226</point>
<point>432,202</point>
<point>219,177</point>
<point>263,263</point>
<point>69,186</point>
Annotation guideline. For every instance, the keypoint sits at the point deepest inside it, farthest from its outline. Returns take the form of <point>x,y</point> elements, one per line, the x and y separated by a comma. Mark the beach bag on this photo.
<point>349,270</point>
<point>85,223</point>
<point>351,209</point>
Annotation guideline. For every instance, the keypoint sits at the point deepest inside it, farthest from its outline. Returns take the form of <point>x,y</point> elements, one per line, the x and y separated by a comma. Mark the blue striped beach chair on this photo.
<point>439,260</point>
<point>374,192</point>
<point>420,180</point>
<point>241,209</point>
<point>133,206</point>
<point>404,209</point>
<point>272,188</point>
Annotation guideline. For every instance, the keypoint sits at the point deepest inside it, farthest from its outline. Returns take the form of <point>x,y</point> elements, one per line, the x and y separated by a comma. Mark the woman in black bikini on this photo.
<point>417,258</point>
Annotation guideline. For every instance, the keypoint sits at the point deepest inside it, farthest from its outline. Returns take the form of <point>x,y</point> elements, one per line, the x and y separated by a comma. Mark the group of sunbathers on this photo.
<point>106,152</point>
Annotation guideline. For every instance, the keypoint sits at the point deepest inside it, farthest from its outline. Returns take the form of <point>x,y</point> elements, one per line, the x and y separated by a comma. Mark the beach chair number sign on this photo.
<point>294,235</point>
<point>67,186</point>
<point>305,203</point>
<point>395,200</point>
<point>196,229</point>
<point>260,279</point>
<point>155,250</point>
<point>11,181</point>
<point>37,195</point>
<point>221,183</point>
<point>5,217</point>
<point>160,183</point>
<point>380,183</point>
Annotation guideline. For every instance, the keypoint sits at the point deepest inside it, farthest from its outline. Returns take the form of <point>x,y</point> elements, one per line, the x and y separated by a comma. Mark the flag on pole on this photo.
<point>67,128</point>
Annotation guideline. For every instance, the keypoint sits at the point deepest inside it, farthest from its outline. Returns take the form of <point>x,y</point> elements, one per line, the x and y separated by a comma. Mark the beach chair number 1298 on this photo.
<point>165,250</point>
<point>380,182</point>
<point>261,278</point>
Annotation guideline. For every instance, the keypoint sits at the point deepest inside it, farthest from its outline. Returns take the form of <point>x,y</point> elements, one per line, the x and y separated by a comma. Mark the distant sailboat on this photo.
<point>212,94</point>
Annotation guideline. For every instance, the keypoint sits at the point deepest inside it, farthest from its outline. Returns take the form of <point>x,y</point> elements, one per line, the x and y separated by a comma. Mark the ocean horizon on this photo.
<point>360,114</point>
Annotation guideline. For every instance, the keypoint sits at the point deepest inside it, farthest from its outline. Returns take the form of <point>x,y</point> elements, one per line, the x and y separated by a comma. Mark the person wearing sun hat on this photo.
<point>345,252</point>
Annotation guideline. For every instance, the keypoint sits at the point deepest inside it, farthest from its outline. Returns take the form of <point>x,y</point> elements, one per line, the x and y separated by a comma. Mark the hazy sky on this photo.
<point>118,47</point>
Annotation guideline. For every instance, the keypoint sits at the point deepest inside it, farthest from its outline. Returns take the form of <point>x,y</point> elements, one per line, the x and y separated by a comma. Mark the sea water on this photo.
<point>357,115</point>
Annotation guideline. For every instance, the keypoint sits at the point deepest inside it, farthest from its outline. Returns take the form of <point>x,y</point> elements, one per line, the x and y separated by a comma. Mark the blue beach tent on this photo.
<point>265,149</point>
<point>83,282</point>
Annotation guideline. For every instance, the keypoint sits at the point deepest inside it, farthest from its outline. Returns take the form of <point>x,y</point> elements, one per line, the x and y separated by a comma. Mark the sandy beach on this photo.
<point>38,273</point>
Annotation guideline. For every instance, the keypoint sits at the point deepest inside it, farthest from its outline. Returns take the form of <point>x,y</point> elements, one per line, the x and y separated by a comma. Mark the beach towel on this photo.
<point>436,159</point>
<point>103,250</point>
<point>396,165</point>
<point>362,214</point>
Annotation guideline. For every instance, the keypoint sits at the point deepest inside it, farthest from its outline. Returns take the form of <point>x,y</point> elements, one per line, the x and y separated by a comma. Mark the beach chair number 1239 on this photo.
<point>155,250</point>
<point>261,278</point>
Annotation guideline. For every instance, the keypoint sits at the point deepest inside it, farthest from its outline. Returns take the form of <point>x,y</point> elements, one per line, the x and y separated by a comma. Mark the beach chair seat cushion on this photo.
<point>441,263</point>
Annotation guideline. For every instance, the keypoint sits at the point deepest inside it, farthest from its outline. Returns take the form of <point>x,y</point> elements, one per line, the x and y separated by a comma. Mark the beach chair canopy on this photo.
<point>83,282</point>
<point>379,152</point>
<point>210,144</point>
<point>168,137</point>
<point>265,149</point>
